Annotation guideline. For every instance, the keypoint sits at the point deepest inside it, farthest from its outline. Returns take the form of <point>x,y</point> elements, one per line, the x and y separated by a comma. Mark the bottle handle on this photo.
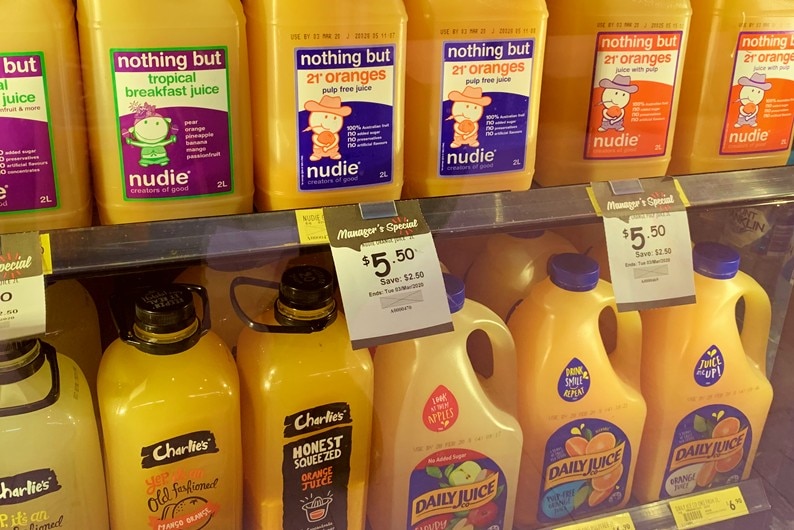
<point>625,358</point>
<point>48,353</point>
<point>757,319</point>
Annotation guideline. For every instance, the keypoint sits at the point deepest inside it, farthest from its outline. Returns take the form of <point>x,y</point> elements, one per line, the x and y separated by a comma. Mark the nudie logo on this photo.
<point>168,177</point>
<point>178,448</point>
<point>27,486</point>
<point>454,499</point>
<point>583,467</point>
<point>708,450</point>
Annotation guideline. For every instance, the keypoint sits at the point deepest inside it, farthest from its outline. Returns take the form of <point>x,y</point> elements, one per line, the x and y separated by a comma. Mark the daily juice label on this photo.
<point>760,111</point>
<point>485,87</point>
<point>457,488</point>
<point>631,101</point>
<point>316,467</point>
<point>25,501</point>
<point>27,167</point>
<point>709,448</point>
<point>345,116</point>
<point>585,469</point>
<point>174,134</point>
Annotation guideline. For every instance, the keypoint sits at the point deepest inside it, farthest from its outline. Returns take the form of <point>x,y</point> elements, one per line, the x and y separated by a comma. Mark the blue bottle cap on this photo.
<point>456,292</point>
<point>715,260</point>
<point>573,272</point>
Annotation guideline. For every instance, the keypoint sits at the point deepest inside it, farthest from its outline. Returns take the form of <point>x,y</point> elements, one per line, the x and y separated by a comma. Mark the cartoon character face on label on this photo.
<point>750,97</point>
<point>151,133</point>
<point>321,122</point>
<point>326,119</point>
<point>751,94</point>
<point>151,130</point>
<point>613,97</point>
<point>462,111</point>
<point>467,109</point>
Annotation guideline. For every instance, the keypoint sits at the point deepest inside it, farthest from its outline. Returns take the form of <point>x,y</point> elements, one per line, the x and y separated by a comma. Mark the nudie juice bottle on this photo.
<point>307,409</point>
<point>446,444</point>
<point>610,89</point>
<point>472,95</point>
<point>580,408</point>
<point>706,433</point>
<point>328,85</point>
<point>44,183</point>
<point>51,470</point>
<point>170,408</point>
<point>736,91</point>
<point>168,108</point>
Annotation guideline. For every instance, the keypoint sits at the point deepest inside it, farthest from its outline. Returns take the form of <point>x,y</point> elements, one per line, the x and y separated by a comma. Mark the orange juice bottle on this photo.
<point>446,444</point>
<point>706,432</point>
<point>168,108</point>
<point>44,182</point>
<point>610,89</point>
<point>458,253</point>
<point>307,409</point>
<point>472,93</point>
<point>328,84</point>
<point>580,409</point>
<point>51,470</point>
<point>170,409</point>
<point>736,87</point>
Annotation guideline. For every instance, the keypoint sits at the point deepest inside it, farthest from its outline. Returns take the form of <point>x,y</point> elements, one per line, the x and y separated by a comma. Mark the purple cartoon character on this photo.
<point>615,97</point>
<point>151,132</point>
<point>750,97</point>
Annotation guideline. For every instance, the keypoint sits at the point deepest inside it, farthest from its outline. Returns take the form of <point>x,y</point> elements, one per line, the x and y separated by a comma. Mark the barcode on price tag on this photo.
<point>708,508</point>
<point>620,521</point>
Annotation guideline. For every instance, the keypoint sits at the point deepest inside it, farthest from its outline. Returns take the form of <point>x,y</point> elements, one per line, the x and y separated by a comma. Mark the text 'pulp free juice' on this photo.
<point>168,108</point>
<point>307,409</point>
<point>44,182</point>
<point>580,407</point>
<point>610,89</point>
<point>328,87</point>
<point>706,432</point>
<point>737,106</point>
<point>472,94</point>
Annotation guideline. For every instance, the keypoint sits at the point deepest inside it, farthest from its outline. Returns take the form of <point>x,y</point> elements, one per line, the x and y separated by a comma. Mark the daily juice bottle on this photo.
<point>44,183</point>
<point>511,264</point>
<point>735,111</point>
<point>580,408</point>
<point>168,108</point>
<point>51,470</point>
<point>458,253</point>
<point>706,432</point>
<point>170,408</point>
<point>328,85</point>
<point>610,89</point>
<point>307,409</point>
<point>472,93</point>
<point>446,444</point>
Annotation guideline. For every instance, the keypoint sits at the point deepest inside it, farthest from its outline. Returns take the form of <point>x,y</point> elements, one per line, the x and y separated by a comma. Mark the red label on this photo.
<point>441,410</point>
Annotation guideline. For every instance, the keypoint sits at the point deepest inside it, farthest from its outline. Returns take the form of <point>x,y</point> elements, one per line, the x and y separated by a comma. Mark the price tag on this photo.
<point>620,521</point>
<point>388,274</point>
<point>311,226</point>
<point>707,508</point>
<point>648,243</point>
<point>22,305</point>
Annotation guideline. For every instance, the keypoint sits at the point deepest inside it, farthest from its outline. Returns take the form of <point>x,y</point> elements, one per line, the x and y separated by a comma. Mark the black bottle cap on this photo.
<point>14,349</point>
<point>306,287</point>
<point>165,310</point>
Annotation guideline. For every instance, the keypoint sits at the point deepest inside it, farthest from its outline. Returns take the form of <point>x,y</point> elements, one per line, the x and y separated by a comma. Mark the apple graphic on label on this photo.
<point>466,473</point>
<point>484,515</point>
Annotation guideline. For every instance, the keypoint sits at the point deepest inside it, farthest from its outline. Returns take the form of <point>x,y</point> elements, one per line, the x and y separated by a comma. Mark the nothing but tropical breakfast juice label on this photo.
<point>631,101</point>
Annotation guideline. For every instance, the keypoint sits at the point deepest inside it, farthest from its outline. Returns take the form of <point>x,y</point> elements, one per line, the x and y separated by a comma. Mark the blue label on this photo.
<point>574,382</point>
<point>710,367</point>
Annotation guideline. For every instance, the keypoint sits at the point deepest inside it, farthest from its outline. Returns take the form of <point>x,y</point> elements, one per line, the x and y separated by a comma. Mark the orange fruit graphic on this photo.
<point>466,126</point>
<point>613,111</point>
<point>603,441</point>
<point>706,474</point>
<point>749,108</point>
<point>726,427</point>
<point>575,446</point>
<point>729,462</point>
<point>326,138</point>
<point>597,497</point>
<point>608,481</point>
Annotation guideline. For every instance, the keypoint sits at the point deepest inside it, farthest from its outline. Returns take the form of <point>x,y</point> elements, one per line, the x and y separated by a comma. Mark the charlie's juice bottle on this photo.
<point>170,409</point>
<point>168,108</point>
<point>307,409</point>
<point>706,432</point>
<point>610,89</point>
<point>472,94</point>
<point>580,409</point>
<point>51,469</point>
<point>44,183</point>
<point>328,84</point>
<point>443,436</point>
<point>737,84</point>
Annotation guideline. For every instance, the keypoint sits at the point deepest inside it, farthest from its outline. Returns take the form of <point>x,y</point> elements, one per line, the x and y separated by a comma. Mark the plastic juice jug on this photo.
<point>45,182</point>
<point>328,85</point>
<point>706,432</point>
<point>511,264</point>
<point>169,403</point>
<point>307,409</point>
<point>443,436</point>
<point>610,89</point>
<point>51,471</point>
<point>736,84</point>
<point>580,408</point>
<point>472,94</point>
<point>458,253</point>
<point>168,108</point>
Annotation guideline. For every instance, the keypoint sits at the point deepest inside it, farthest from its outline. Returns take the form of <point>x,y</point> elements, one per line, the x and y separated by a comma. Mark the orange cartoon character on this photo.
<point>750,97</point>
<point>615,97</point>
<point>467,109</point>
<point>326,118</point>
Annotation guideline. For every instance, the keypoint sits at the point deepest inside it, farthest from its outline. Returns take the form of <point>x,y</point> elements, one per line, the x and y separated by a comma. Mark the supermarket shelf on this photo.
<point>112,249</point>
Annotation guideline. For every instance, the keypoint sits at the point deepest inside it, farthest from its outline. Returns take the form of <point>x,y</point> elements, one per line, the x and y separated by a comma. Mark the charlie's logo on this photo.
<point>317,419</point>
<point>584,467</point>
<point>12,265</point>
<point>454,499</point>
<point>27,486</point>
<point>178,448</point>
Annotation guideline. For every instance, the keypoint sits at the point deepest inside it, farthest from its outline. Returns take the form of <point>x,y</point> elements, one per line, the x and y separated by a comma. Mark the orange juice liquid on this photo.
<point>610,89</point>
<point>168,108</point>
<point>45,182</point>
<point>737,82</point>
<point>328,101</point>
<point>472,94</point>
